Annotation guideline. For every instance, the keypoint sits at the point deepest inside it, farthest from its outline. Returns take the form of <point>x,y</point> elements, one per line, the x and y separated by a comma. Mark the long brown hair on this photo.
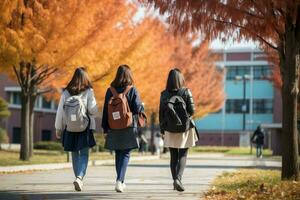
<point>123,77</point>
<point>79,82</point>
<point>175,80</point>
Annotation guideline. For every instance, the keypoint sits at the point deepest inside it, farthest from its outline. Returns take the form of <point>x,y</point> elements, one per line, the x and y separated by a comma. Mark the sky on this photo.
<point>230,44</point>
<point>216,44</point>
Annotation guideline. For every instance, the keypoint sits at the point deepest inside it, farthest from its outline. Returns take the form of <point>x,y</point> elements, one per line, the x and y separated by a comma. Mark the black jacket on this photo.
<point>258,136</point>
<point>187,97</point>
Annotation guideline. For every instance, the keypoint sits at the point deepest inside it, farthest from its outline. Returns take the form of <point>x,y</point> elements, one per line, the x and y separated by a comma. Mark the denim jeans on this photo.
<point>259,150</point>
<point>80,162</point>
<point>121,159</point>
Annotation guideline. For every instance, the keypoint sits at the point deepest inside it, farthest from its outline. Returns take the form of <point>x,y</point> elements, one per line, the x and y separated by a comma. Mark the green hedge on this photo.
<point>49,145</point>
<point>100,140</point>
<point>3,136</point>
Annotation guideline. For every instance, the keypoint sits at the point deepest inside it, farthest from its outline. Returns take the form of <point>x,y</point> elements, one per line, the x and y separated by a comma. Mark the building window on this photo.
<point>237,106</point>
<point>262,106</point>
<point>16,138</point>
<point>46,135</point>
<point>46,104</point>
<point>15,98</point>
<point>234,71</point>
<point>261,72</point>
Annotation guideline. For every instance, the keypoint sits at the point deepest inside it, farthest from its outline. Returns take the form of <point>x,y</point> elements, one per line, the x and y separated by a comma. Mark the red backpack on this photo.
<point>119,114</point>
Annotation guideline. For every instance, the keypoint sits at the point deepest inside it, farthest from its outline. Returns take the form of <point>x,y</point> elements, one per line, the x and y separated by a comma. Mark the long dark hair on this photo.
<point>79,82</point>
<point>123,77</point>
<point>175,80</point>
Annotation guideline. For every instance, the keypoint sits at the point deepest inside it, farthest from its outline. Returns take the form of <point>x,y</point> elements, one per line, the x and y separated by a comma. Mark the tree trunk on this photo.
<point>31,122</point>
<point>25,136</point>
<point>29,80</point>
<point>290,168</point>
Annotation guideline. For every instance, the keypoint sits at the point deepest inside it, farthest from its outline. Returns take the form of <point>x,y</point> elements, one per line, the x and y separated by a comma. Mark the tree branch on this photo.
<point>44,91</point>
<point>18,76</point>
<point>248,30</point>
<point>244,11</point>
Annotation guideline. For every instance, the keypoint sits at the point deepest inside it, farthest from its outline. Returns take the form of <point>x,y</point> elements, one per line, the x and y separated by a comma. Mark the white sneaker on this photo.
<point>119,186</point>
<point>124,186</point>
<point>78,184</point>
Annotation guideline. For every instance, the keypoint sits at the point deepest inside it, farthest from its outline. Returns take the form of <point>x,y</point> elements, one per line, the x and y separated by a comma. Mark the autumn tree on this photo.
<point>44,40</point>
<point>275,24</point>
<point>153,52</point>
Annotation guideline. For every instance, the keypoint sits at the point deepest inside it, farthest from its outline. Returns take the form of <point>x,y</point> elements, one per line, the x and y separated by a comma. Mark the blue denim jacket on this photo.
<point>134,102</point>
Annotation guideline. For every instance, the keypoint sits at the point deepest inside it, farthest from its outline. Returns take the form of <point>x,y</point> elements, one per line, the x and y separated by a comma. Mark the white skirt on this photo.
<point>181,140</point>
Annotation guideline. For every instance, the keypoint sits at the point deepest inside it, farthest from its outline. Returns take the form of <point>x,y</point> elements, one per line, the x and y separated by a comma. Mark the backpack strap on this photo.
<point>114,91</point>
<point>127,89</point>
<point>181,91</point>
<point>116,94</point>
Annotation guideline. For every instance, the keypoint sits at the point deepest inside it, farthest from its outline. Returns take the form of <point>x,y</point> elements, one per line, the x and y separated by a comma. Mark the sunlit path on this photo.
<point>145,180</point>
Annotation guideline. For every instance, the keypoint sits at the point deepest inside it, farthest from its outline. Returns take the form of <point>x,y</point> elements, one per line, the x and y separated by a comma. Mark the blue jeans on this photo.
<point>259,150</point>
<point>121,159</point>
<point>80,162</point>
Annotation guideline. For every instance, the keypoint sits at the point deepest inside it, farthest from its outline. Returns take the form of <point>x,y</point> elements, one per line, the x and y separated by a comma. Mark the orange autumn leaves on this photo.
<point>101,35</point>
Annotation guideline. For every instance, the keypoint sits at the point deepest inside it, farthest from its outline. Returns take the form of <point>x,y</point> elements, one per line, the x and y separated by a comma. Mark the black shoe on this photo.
<point>178,185</point>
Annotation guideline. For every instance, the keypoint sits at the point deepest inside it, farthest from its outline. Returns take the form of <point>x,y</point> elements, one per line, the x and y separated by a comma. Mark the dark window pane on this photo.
<point>46,135</point>
<point>234,71</point>
<point>237,106</point>
<point>16,135</point>
<point>46,104</point>
<point>16,98</point>
<point>261,72</point>
<point>262,106</point>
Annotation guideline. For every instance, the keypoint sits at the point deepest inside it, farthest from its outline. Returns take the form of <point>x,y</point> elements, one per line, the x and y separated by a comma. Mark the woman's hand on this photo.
<point>58,135</point>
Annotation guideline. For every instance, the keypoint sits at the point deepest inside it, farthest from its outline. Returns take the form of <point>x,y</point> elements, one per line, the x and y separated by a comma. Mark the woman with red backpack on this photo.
<point>75,122</point>
<point>119,122</point>
<point>176,123</point>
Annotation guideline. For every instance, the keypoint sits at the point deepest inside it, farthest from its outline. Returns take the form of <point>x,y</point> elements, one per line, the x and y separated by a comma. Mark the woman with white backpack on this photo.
<point>75,122</point>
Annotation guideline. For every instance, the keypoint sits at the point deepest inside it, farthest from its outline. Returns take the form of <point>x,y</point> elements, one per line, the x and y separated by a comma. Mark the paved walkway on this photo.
<point>145,180</point>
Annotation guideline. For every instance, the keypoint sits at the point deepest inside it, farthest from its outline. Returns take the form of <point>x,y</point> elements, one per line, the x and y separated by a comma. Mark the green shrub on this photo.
<point>48,145</point>
<point>3,136</point>
<point>100,140</point>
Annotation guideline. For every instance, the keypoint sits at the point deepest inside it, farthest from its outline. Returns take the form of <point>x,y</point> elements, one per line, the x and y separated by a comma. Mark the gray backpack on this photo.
<point>75,114</point>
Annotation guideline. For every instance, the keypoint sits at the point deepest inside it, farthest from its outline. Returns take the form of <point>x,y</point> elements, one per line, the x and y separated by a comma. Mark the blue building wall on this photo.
<point>262,89</point>
<point>233,122</point>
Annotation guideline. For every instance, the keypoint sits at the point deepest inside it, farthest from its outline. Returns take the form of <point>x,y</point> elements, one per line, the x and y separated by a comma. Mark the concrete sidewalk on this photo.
<point>145,180</point>
<point>52,166</point>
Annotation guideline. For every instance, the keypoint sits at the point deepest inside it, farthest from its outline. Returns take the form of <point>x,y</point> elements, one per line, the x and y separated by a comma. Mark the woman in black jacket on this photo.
<point>122,141</point>
<point>177,142</point>
<point>258,138</point>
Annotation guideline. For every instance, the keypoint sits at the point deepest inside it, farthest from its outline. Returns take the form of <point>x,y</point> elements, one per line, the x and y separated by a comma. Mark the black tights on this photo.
<point>178,162</point>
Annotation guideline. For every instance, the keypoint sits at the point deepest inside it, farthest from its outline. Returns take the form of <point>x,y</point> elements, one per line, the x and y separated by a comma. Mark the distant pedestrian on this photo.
<point>258,138</point>
<point>120,111</point>
<point>158,143</point>
<point>143,142</point>
<point>175,112</point>
<point>75,122</point>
